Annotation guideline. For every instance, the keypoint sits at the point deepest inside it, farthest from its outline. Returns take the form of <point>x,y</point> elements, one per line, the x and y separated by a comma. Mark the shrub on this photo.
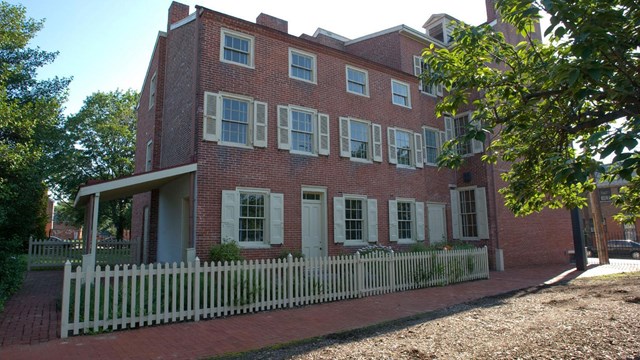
<point>12,268</point>
<point>297,254</point>
<point>421,247</point>
<point>227,251</point>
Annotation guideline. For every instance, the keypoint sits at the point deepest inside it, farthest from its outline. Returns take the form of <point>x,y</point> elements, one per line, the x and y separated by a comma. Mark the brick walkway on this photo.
<point>194,340</point>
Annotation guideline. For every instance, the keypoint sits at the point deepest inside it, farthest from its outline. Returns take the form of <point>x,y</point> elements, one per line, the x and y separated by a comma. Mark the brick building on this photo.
<point>315,143</point>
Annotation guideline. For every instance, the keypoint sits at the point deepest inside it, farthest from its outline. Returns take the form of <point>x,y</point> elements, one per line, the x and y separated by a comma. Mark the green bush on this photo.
<point>457,245</point>
<point>297,254</point>
<point>12,268</point>
<point>375,249</point>
<point>228,251</point>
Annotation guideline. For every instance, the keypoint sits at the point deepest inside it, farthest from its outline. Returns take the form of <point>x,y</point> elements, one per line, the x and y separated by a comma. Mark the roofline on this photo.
<point>146,74</point>
<point>399,28</point>
<point>184,21</point>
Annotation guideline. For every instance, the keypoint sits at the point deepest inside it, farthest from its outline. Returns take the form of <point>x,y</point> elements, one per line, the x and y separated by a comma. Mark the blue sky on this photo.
<point>105,45</point>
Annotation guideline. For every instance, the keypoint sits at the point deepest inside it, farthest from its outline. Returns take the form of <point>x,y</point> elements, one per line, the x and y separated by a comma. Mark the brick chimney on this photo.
<point>177,12</point>
<point>492,13</point>
<point>272,22</point>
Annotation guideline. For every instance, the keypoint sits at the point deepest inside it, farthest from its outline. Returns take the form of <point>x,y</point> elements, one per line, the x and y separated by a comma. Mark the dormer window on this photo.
<point>437,32</point>
<point>439,27</point>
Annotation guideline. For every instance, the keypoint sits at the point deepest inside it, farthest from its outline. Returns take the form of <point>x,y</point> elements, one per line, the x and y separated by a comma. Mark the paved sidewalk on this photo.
<point>192,340</point>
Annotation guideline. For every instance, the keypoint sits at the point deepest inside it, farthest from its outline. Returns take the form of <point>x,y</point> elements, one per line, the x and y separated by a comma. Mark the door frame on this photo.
<point>442,206</point>
<point>322,190</point>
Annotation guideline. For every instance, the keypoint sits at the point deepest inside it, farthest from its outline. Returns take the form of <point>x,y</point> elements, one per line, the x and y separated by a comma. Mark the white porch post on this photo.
<point>89,260</point>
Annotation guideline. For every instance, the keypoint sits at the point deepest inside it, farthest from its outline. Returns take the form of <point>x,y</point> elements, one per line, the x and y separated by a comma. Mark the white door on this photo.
<point>312,226</point>
<point>437,223</point>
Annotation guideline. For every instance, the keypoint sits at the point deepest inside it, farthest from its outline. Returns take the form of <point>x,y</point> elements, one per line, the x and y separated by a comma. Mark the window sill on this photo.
<point>403,106</point>
<point>312,82</point>
<point>253,245</point>
<point>406,242</point>
<point>359,94</point>
<point>355,243</point>
<point>303,153</point>
<point>236,145</point>
<point>405,167</point>
<point>362,161</point>
<point>237,63</point>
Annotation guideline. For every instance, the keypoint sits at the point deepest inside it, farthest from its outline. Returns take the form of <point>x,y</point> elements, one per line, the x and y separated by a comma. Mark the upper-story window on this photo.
<point>152,90</point>
<point>236,48</point>
<point>303,130</point>
<point>357,81</point>
<point>405,148</point>
<point>234,120</point>
<point>148,163</point>
<point>400,94</point>
<point>456,128</point>
<point>360,140</point>
<point>302,66</point>
<point>432,145</point>
<point>605,194</point>
<point>419,67</point>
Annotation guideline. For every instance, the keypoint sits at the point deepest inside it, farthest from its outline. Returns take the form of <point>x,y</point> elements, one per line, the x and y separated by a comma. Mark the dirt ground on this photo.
<point>591,318</point>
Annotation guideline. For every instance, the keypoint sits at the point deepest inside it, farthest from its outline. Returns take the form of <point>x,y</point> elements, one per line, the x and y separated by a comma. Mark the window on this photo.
<point>235,120</point>
<point>302,66</point>
<point>152,90</point>
<point>419,67</point>
<point>360,140</point>
<point>469,214</point>
<point>405,148</point>
<point>605,194</point>
<point>236,48</point>
<point>355,220</point>
<point>432,145</point>
<point>406,221</point>
<point>148,164</point>
<point>456,128</point>
<point>357,81</point>
<point>252,217</point>
<point>303,131</point>
<point>400,94</point>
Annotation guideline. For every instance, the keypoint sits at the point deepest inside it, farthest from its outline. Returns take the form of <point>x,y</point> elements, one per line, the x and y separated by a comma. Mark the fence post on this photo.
<point>196,300</point>
<point>30,253</point>
<point>360,274</point>
<point>290,279</point>
<point>66,285</point>
<point>392,271</point>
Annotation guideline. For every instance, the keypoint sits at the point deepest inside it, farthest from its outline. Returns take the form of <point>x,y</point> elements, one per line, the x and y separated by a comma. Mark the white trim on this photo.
<point>366,80</point>
<point>132,184</point>
<point>401,83</point>
<point>314,65</point>
<point>250,38</point>
<point>182,22</point>
<point>424,144</point>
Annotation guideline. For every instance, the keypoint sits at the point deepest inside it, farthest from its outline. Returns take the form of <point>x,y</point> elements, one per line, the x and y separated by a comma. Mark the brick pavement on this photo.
<point>192,340</point>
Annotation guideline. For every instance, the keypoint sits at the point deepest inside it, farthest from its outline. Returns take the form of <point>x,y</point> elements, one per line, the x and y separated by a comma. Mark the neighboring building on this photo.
<point>315,143</point>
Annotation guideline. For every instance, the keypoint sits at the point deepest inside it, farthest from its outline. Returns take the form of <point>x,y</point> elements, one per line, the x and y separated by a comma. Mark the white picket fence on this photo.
<point>130,296</point>
<point>47,253</point>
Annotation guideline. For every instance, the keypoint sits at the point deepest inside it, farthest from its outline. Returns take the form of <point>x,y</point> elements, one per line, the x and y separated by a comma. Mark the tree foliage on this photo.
<point>30,114</point>
<point>554,110</point>
<point>99,144</point>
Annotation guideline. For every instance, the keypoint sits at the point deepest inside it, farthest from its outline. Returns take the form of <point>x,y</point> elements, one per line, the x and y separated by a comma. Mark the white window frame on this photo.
<point>251,52</point>
<point>416,148</point>
<point>153,87</point>
<point>369,221</point>
<point>439,135</point>
<point>314,62</point>
<point>393,94</point>
<point>148,161</point>
<point>273,226</point>
<point>374,140</point>
<point>417,221</point>
<point>451,129</point>
<point>418,68</point>
<point>320,125</point>
<point>257,126</point>
<point>481,214</point>
<point>366,80</point>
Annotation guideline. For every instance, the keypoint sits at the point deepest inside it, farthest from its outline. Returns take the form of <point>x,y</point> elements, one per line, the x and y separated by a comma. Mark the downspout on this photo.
<point>499,255</point>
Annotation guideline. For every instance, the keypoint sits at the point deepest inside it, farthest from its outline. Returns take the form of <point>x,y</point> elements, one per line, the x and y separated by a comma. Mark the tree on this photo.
<point>30,114</point>
<point>99,144</point>
<point>554,110</point>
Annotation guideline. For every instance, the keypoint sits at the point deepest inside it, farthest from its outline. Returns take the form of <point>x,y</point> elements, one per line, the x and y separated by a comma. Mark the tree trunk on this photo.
<point>600,241</point>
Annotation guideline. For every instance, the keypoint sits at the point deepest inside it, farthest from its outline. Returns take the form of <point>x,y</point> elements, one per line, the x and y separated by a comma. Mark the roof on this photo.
<point>131,185</point>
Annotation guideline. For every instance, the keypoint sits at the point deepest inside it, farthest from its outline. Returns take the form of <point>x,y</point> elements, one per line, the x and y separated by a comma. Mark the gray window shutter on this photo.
<point>338,220</point>
<point>481,213</point>
<point>345,137</point>
<point>260,124</point>
<point>420,221</point>
<point>391,139</point>
<point>372,220</point>
<point>419,155</point>
<point>210,126</point>
<point>393,220</point>
<point>439,89</point>
<point>276,219</point>
<point>476,145</point>
<point>455,213</point>
<point>283,128</point>
<point>230,205</point>
<point>448,128</point>
<point>377,142</point>
<point>417,69</point>
<point>323,120</point>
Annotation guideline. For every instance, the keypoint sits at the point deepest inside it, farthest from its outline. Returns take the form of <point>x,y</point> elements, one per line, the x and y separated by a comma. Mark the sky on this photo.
<point>106,45</point>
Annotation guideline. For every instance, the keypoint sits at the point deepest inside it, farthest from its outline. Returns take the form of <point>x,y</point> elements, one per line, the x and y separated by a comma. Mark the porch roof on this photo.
<point>131,185</point>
